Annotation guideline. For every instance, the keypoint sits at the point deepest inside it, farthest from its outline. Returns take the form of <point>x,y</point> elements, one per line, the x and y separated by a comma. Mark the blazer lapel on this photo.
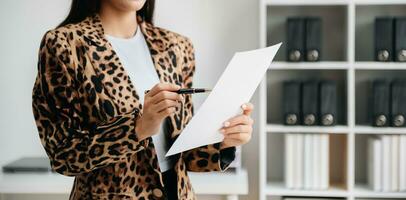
<point>169,72</point>
<point>113,78</point>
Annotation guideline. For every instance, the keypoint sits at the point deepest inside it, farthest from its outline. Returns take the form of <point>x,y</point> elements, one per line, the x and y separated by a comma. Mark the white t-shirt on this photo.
<point>136,59</point>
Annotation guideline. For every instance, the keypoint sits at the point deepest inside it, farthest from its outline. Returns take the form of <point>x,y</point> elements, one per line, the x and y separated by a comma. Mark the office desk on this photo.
<point>230,184</point>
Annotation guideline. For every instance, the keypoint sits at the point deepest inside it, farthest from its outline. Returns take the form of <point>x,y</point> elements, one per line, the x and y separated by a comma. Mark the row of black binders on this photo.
<point>390,39</point>
<point>310,102</point>
<point>388,103</point>
<point>304,39</point>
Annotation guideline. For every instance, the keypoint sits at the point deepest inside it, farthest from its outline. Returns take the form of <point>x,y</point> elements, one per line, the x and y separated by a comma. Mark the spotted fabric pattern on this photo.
<point>85,107</point>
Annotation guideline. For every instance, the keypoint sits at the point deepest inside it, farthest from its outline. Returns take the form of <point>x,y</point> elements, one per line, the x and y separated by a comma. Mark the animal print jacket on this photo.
<point>85,108</point>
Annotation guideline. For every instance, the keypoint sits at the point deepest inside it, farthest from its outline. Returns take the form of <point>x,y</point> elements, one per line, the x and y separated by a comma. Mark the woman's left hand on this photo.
<point>238,130</point>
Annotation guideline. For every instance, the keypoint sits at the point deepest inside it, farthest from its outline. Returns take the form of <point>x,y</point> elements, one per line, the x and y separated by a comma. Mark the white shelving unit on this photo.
<point>348,59</point>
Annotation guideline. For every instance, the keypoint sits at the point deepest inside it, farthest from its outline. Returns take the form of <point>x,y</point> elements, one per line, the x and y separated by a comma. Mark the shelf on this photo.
<point>213,183</point>
<point>220,183</point>
<point>35,183</point>
<point>276,128</point>
<point>380,66</point>
<point>335,27</point>
<point>365,15</point>
<point>301,2</point>
<point>332,2</point>
<point>279,189</point>
<point>379,2</point>
<point>339,65</point>
<point>339,129</point>
<point>363,81</point>
<point>362,129</point>
<point>274,91</point>
<point>324,65</point>
<point>362,191</point>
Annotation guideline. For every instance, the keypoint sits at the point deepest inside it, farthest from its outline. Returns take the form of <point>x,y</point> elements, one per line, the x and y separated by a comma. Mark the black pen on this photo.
<point>189,90</point>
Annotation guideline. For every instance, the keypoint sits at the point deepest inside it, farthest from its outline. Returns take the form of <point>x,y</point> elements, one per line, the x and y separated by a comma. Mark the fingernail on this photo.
<point>244,106</point>
<point>226,124</point>
<point>222,130</point>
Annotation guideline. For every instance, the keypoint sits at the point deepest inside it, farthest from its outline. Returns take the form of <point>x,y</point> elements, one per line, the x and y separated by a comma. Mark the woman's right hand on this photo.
<point>160,102</point>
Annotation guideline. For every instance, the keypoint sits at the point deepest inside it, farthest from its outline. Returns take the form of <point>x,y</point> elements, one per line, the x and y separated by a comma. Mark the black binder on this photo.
<point>295,40</point>
<point>384,32</point>
<point>328,103</point>
<point>313,39</point>
<point>310,103</point>
<point>291,102</point>
<point>398,103</point>
<point>400,39</point>
<point>380,103</point>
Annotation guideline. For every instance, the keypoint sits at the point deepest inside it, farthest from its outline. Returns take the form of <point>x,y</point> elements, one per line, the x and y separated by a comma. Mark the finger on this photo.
<point>164,104</point>
<point>166,112</point>
<point>236,129</point>
<point>241,137</point>
<point>247,108</point>
<point>162,95</point>
<point>160,87</point>
<point>240,119</point>
<point>229,142</point>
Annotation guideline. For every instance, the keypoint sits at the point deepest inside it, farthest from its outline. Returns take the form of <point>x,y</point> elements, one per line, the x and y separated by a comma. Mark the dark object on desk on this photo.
<point>380,103</point>
<point>398,107</point>
<point>384,32</point>
<point>328,103</point>
<point>295,39</point>
<point>28,164</point>
<point>310,102</point>
<point>313,39</point>
<point>291,101</point>
<point>400,39</point>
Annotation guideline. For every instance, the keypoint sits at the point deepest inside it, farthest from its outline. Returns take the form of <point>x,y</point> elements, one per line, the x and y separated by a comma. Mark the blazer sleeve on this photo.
<point>73,149</point>
<point>208,157</point>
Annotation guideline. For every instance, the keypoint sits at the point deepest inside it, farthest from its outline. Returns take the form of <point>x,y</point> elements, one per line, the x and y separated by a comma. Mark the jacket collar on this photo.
<point>93,34</point>
<point>93,30</point>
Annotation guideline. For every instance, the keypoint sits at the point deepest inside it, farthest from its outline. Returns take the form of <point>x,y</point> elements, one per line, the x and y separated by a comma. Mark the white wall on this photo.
<point>22,23</point>
<point>217,29</point>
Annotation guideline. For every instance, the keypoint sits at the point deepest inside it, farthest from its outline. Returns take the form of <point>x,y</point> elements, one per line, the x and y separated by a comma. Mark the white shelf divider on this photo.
<point>363,191</point>
<point>360,129</point>
<point>276,128</point>
<point>379,2</point>
<point>310,65</point>
<point>303,2</point>
<point>279,189</point>
<point>379,66</point>
<point>331,2</point>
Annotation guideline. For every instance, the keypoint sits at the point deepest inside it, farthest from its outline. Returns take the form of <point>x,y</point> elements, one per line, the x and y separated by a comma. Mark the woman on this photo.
<point>93,118</point>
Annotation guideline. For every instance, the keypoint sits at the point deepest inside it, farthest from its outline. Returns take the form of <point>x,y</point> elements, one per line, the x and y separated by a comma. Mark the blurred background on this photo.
<point>330,112</point>
<point>217,29</point>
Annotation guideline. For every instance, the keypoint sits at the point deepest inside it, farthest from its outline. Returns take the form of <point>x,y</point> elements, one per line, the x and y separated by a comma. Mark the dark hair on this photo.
<point>80,9</point>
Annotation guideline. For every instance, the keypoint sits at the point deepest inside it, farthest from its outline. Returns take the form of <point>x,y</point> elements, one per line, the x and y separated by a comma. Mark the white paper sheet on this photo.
<point>236,86</point>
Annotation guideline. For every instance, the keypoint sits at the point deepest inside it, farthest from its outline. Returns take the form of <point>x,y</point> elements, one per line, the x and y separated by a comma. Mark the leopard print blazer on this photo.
<point>85,108</point>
